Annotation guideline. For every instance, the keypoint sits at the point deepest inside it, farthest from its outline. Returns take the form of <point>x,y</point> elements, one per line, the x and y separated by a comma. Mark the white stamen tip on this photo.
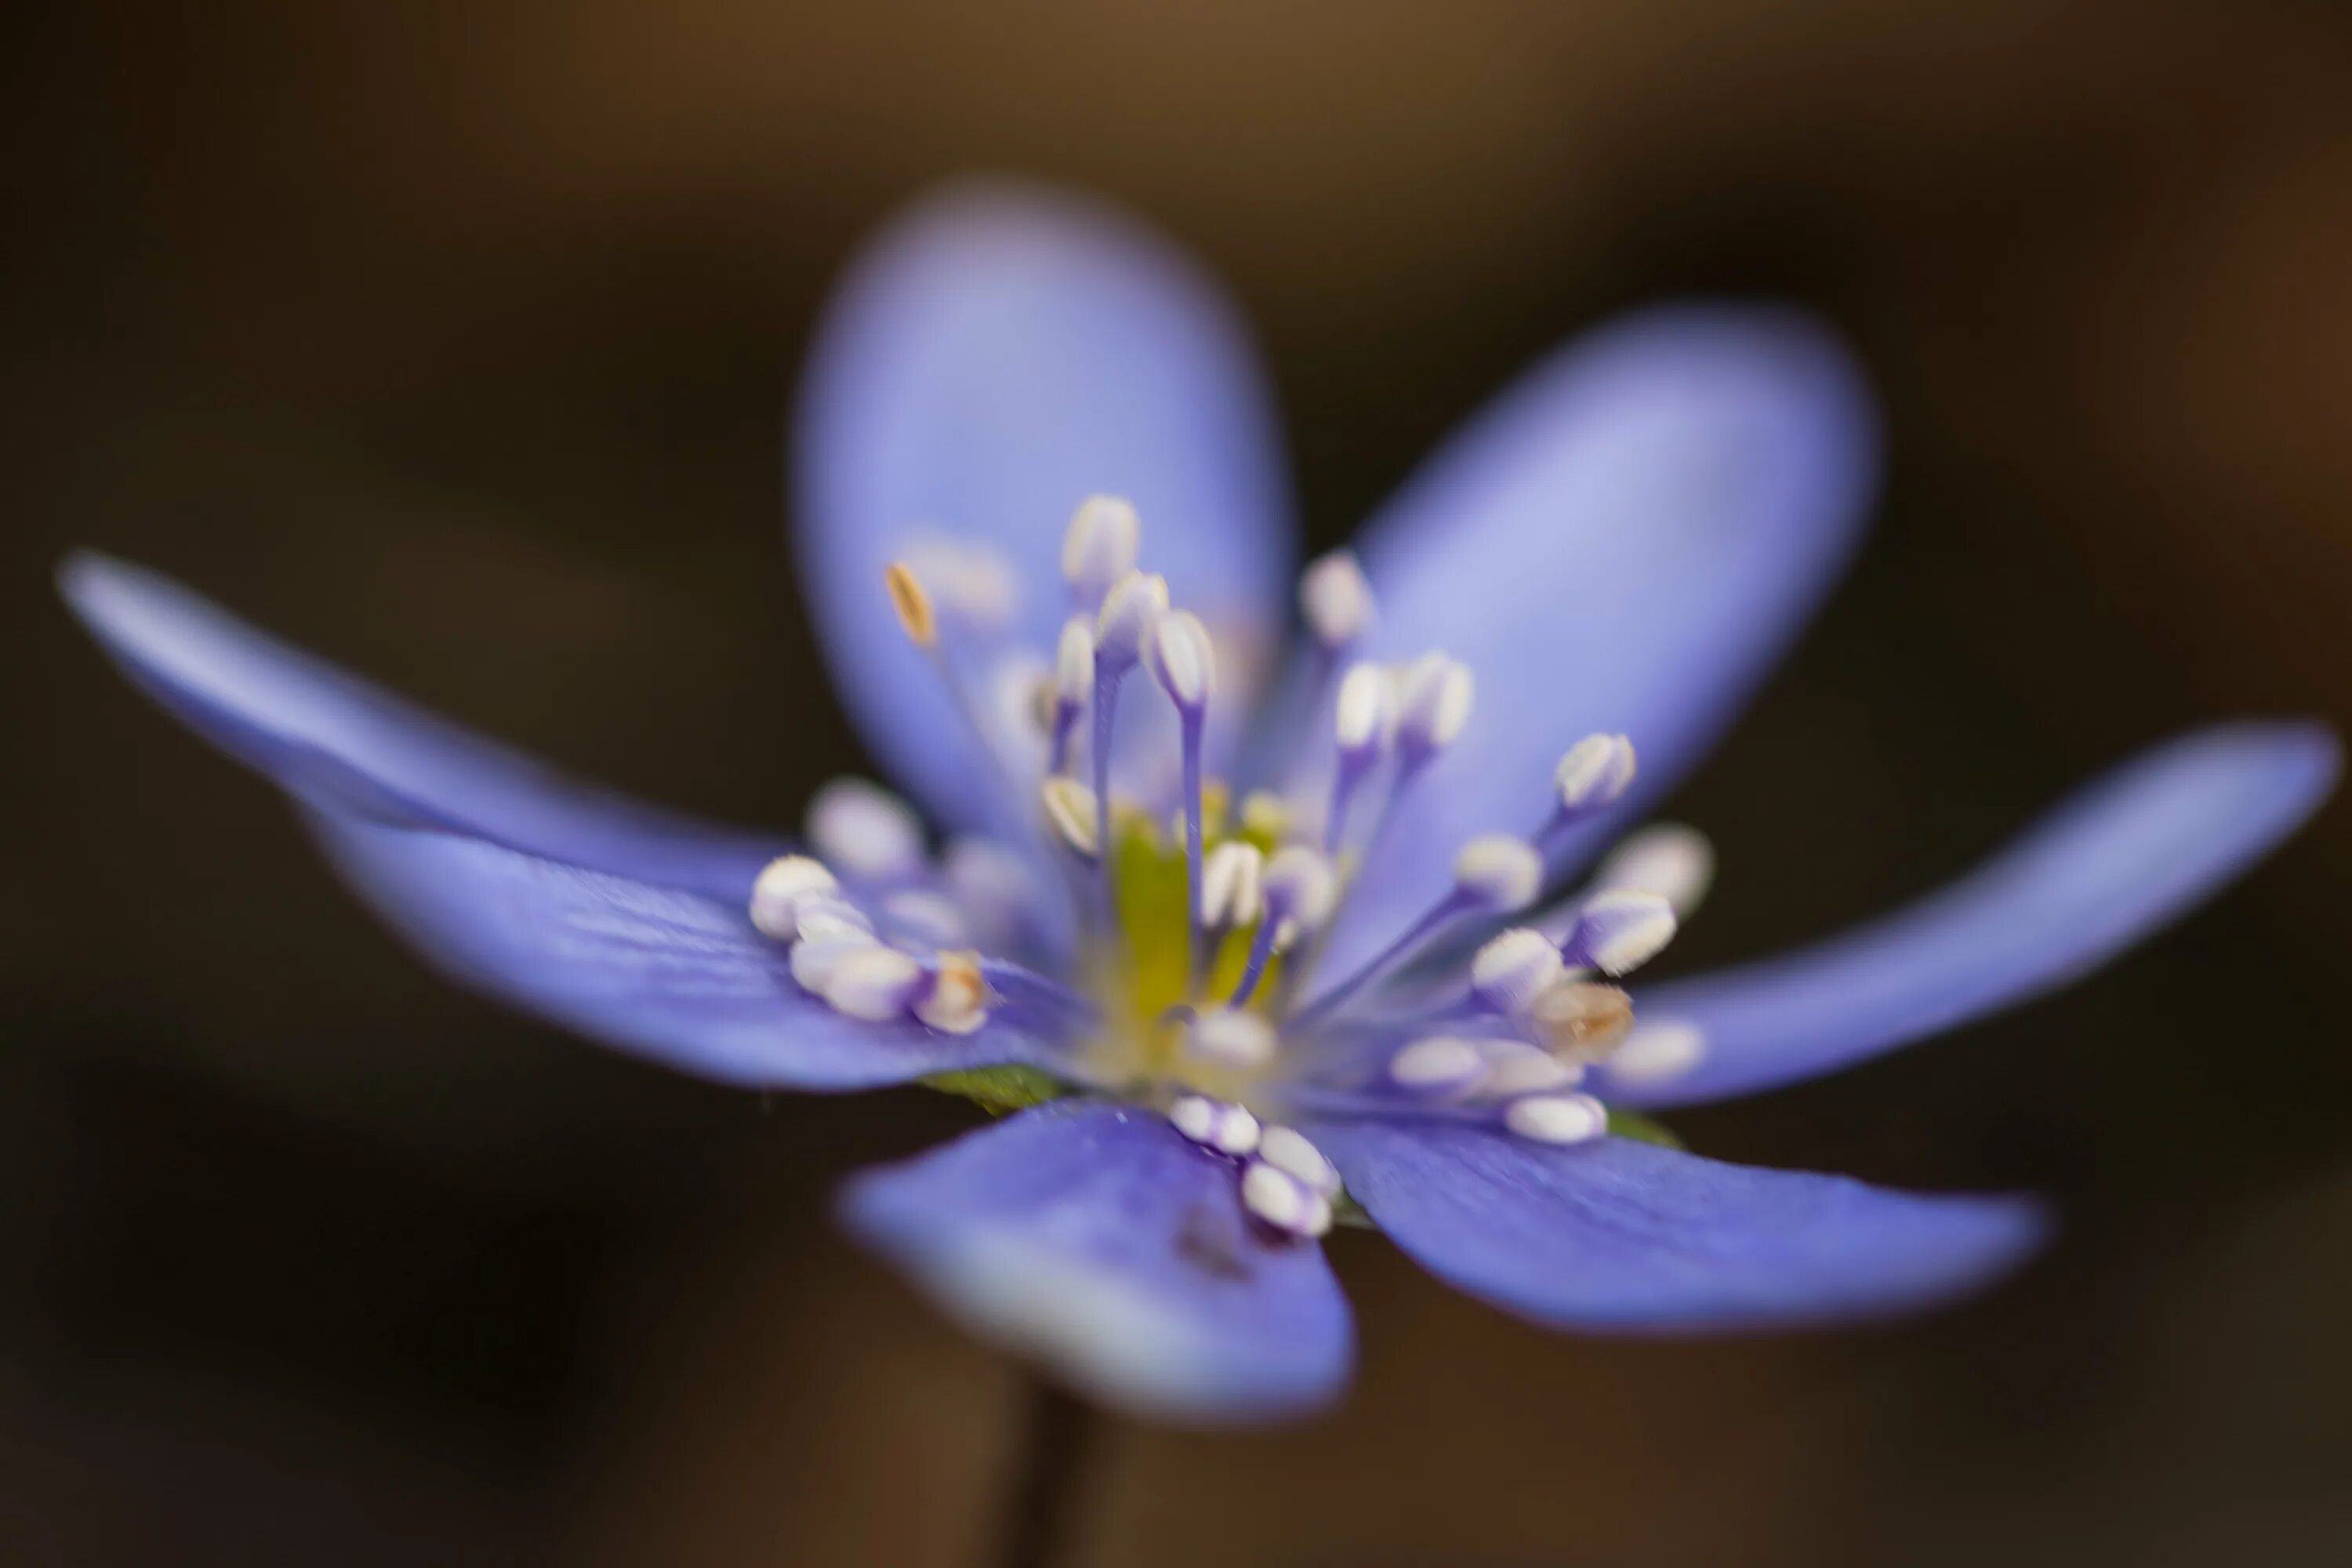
<point>1214,1124</point>
<point>864,829</point>
<point>1362,710</point>
<point>1134,604</point>
<point>1285,1202</point>
<point>1100,546</point>
<point>955,1002</point>
<point>1513,969</point>
<point>1557,1118</point>
<point>873,983</point>
<point>1336,599</point>
<point>816,957</point>
<point>1230,1037</point>
<point>1437,1064</point>
<point>966,583</point>
<point>1658,1053</point>
<point>818,918</point>
<point>1229,885</point>
<point>1434,697</point>
<point>1618,930</point>
<point>1298,885</point>
<point>1502,872</point>
<point>1178,653</point>
<point>1674,862</point>
<point>1515,1068</point>
<point>1074,663</point>
<point>1289,1151</point>
<point>782,883</point>
<point>1594,773</point>
<point>1070,811</point>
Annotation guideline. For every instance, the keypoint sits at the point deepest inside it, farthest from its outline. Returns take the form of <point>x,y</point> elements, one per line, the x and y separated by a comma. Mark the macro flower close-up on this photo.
<point>1257,901</point>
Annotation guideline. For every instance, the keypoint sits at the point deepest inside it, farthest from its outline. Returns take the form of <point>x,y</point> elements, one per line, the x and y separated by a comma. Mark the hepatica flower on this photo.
<point>1236,943</point>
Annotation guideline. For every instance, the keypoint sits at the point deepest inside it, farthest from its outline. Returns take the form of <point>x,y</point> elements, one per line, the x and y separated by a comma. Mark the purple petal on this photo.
<point>1096,1240</point>
<point>338,742</point>
<point>1618,1235</point>
<point>670,975</point>
<point>1624,541</point>
<point>2102,871</point>
<point>1001,352</point>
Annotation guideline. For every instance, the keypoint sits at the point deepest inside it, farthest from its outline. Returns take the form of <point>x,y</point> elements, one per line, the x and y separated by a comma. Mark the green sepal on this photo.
<point>1641,1129</point>
<point>999,1091</point>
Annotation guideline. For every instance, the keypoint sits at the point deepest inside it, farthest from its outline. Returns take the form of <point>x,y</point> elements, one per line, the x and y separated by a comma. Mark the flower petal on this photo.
<point>674,977</point>
<point>1001,352</point>
<point>1097,1240</point>
<point>1624,541</point>
<point>2102,871</point>
<point>339,742</point>
<point>1614,1234</point>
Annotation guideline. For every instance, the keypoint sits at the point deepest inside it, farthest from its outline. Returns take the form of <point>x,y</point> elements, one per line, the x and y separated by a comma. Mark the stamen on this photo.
<point>1515,968</point>
<point>1658,1053</point>
<point>1214,1124</point>
<point>955,1000</point>
<point>1515,1068</point>
<point>815,957</point>
<point>1284,1202</point>
<point>1073,813</point>
<point>818,919</point>
<point>913,605</point>
<point>1287,1149</point>
<point>1129,609</point>
<point>1073,686</point>
<point>1441,1064</point>
<point>1433,699</point>
<point>869,833</point>
<point>1336,600</point>
<point>1494,872</point>
<point>1228,1038</point>
<point>1557,1118</point>
<point>1674,862</point>
<point>1177,652</point>
<point>873,983</point>
<point>1360,719</point>
<point>1299,891</point>
<point>1229,885</point>
<point>1099,547</point>
<point>1593,775</point>
<point>781,884</point>
<point>1577,1020</point>
<point>982,593</point>
<point>963,582</point>
<point>1618,930</point>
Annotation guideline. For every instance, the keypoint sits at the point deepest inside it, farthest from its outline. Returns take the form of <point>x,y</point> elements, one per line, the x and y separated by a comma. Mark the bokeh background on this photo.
<point>454,340</point>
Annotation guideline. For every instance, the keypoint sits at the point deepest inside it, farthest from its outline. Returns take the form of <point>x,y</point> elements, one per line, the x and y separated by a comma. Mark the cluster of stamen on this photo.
<point>1194,925</point>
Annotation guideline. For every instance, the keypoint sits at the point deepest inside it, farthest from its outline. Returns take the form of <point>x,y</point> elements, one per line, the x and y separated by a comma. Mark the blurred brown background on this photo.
<point>454,340</point>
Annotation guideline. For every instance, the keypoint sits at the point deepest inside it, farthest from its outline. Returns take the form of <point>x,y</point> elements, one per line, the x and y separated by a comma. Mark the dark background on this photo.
<point>456,344</point>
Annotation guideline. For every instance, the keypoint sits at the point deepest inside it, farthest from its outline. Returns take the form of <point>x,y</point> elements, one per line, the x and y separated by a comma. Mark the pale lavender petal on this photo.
<point>1617,1235</point>
<point>670,975</point>
<point>1624,541</point>
<point>998,354</point>
<point>2130,853</point>
<point>1096,1240</point>
<point>337,741</point>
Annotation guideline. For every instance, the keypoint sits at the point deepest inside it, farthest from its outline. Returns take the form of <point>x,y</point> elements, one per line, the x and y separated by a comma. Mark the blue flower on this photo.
<point>1236,976</point>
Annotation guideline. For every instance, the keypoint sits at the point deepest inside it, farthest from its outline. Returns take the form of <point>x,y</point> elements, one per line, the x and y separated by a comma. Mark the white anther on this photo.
<point>1504,873</point>
<point>955,1001</point>
<point>1074,662</point>
<point>1515,968</point>
<point>865,830</point>
<point>1515,1068</point>
<point>1135,602</point>
<point>1557,1118</point>
<point>1439,1063</point>
<point>1298,885</point>
<point>1287,1149</point>
<point>1230,1036</point>
<point>1594,773</point>
<point>781,884</point>
<point>1285,1202</point>
<point>1362,710</point>
<point>1335,599</point>
<point>1100,546</point>
<point>1070,811</point>
<point>1658,1053</point>
<point>818,918</point>
<point>814,959</point>
<point>925,917</point>
<point>1229,885</point>
<point>873,983</point>
<point>1433,699</point>
<point>1178,653</point>
<point>969,582</point>
<point>1214,1124</point>
<point>1021,699</point>
<point>1619,929</point>
<point>1674,862</point>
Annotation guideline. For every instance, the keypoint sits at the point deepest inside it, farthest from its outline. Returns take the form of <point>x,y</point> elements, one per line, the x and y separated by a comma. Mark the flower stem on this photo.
<point>1040,1512</point>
